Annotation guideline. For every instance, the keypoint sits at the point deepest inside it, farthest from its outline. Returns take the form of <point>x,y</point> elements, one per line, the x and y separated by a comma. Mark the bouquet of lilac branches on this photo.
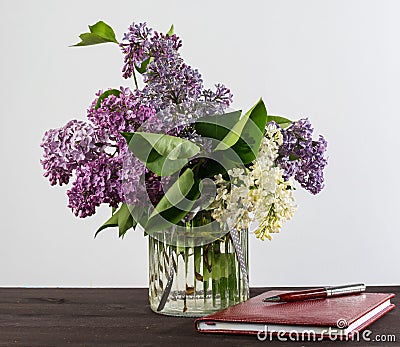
<point>169,152</point>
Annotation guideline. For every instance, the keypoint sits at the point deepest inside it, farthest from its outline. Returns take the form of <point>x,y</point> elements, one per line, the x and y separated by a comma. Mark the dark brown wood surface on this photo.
<point>122,317</point>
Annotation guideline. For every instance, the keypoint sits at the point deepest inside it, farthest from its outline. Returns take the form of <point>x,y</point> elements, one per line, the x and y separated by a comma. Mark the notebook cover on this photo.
<point>320,312</point>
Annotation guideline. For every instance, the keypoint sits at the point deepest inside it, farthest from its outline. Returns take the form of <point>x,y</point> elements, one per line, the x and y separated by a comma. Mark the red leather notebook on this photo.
<point>339,317</point>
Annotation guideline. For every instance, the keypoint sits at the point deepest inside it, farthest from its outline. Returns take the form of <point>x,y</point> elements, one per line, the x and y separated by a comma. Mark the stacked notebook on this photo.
<point>341,316</point>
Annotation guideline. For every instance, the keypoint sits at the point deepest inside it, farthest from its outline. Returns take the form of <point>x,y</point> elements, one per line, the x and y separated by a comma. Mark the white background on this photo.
<point>337,62</point>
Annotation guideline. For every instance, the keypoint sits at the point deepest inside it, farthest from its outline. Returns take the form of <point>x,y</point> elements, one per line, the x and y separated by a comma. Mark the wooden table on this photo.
<point>122,317</point>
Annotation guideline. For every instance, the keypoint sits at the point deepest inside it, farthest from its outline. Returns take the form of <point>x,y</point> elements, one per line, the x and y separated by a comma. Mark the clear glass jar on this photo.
<point>196,281</point>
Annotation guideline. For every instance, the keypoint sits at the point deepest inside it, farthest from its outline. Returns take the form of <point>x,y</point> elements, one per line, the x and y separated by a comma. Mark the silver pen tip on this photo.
<point>272,298</point>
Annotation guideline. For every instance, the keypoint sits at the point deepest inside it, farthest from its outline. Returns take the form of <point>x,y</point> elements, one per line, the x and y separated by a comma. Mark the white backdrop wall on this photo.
<point>336,62</point>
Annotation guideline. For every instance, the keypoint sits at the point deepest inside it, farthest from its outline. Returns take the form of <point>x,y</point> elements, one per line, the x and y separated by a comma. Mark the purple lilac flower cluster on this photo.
<point>303,158</point>
<point>221,95</point>
<point>132,178</point>
<point>154,187</point>
<point>168,76</point>
<point>168,79</point>
<point>105,170</point>
<point>136,50</point>
<point>67,147</point>
<point>97,182</point>
<point>125,112</point>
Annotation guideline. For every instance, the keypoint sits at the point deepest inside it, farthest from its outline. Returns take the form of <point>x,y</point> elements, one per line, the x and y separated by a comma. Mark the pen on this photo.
<point>318,293</point>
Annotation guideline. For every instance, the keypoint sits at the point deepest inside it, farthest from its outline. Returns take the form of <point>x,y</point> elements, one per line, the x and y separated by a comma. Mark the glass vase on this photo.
<point>199,280</point>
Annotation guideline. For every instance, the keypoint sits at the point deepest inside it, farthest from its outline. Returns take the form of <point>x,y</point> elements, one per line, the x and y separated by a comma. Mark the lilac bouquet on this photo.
<point>172,152</point>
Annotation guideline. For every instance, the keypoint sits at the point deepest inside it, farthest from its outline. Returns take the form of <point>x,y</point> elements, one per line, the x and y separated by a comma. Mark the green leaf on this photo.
<point>105,95</point>
<point>121,219</point>
<point>217,126</point>
<point>220,163</point>
<point>89,39</point>
<point>99,33</point>
<point>142,68</point>
<point>257,114</point>
<point>140,214</point>
<point>175,204</point>
<point>104,30</point>
<point>171,31</point>
<point>168,146</point>
<point>125,220</point>
<point>248,145</point>
<point>176,193</point>
<point>112,222</point>
<point>162,166</point>
<point>283,122</point>
<point>233,135</point>
<point>148,155</point>
<point>162,154</point>
<point>171,146</point>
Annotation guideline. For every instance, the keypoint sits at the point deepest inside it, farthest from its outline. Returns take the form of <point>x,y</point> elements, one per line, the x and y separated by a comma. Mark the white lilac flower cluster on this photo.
<point>257,194</point>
